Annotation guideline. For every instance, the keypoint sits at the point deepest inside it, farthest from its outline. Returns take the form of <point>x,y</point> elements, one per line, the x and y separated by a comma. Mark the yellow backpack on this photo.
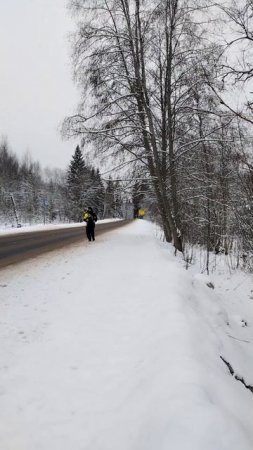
<point>86,216</point>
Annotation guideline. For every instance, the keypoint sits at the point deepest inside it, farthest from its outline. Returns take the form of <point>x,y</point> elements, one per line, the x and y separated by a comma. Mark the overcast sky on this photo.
<point>36,87</point>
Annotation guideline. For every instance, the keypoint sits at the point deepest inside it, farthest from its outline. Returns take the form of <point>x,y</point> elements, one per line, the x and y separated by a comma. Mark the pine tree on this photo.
<point>76,185</point>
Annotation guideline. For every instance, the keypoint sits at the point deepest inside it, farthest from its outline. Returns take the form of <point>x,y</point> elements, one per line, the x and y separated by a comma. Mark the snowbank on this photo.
<point>41,227</point>
<point>113,345</point>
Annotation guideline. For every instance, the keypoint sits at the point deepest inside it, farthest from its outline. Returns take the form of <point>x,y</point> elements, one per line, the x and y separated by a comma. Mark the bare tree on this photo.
<point>133,61</point>
<point>235,68</point>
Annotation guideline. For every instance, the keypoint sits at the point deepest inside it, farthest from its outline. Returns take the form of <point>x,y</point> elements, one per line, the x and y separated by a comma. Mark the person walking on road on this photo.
<point>90,218</point>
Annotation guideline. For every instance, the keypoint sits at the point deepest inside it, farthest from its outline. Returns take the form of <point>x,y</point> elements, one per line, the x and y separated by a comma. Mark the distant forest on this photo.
<point>30,195</point>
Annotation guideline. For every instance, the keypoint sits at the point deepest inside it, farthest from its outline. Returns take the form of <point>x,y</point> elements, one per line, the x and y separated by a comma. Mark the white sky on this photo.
<point>124,355</point>
<point>36,87</point>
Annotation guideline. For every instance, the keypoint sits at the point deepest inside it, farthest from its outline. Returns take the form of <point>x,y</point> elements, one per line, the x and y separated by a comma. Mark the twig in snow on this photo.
<point>237,339</point>
<point>237,377</point>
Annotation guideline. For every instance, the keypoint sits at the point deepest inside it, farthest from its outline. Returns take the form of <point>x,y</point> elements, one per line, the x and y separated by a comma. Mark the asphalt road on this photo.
<point>18,247</point>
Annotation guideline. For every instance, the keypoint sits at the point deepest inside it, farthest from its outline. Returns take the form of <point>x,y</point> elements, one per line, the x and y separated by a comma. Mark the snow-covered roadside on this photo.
<point>41,227</point>
<point>114,345</point>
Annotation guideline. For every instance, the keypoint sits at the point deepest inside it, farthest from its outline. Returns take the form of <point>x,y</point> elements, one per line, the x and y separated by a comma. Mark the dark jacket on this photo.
<point>90,217</point>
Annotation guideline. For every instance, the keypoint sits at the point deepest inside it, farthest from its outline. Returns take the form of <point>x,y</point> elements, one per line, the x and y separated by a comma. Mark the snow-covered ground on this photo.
<point>113,345</point>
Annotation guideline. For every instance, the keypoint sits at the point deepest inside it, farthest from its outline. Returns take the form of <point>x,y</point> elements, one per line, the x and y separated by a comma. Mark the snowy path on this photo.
<point>101,349</point>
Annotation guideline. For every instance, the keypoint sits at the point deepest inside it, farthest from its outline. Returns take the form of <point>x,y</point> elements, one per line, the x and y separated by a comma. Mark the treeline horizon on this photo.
<point>31,195</point>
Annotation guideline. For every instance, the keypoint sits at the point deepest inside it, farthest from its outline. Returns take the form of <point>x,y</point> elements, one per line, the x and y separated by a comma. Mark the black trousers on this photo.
<point>90,231</point>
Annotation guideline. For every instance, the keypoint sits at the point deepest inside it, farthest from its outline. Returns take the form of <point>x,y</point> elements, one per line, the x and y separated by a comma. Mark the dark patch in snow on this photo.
<point>237,377</point>
<point>210,285</point>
